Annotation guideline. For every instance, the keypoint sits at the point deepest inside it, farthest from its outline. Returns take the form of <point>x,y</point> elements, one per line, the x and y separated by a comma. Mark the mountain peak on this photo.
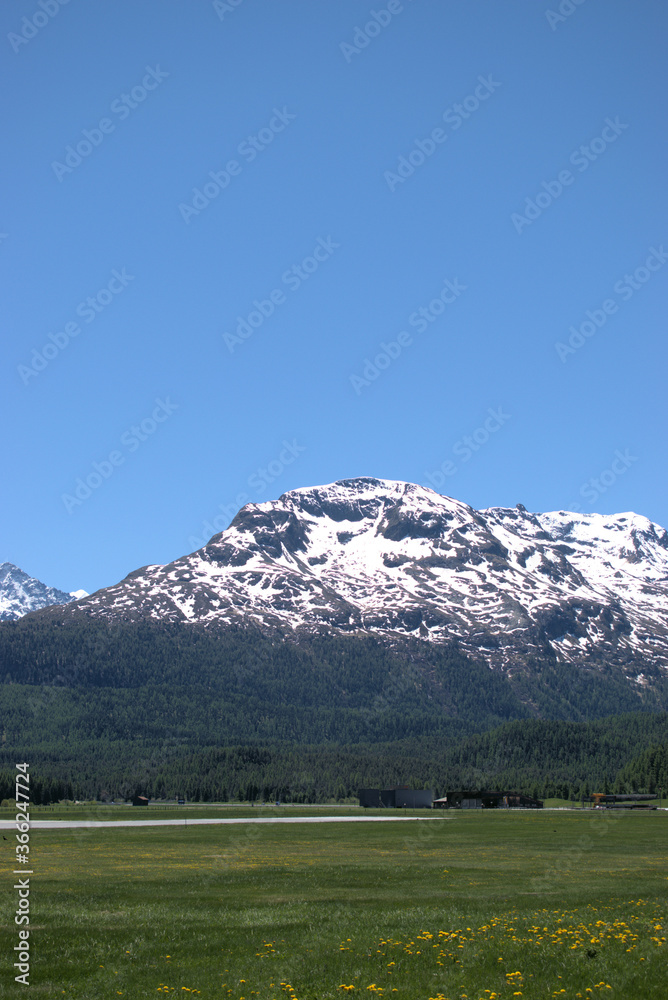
<point>20,593</point>
<point>397,561</point>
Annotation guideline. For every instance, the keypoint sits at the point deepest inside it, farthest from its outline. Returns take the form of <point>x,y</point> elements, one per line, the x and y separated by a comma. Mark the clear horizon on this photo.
<point>251,247</point>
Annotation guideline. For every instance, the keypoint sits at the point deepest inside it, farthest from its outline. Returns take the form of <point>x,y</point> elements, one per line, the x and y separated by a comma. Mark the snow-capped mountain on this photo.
<point>20,593</point>
<point>397,561</point>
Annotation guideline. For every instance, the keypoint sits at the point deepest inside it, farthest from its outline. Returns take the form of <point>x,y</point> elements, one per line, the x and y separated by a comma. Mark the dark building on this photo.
<point>139,800</point>
<point>600,800</point>
<point>469,799</point>
<point>396,798</point>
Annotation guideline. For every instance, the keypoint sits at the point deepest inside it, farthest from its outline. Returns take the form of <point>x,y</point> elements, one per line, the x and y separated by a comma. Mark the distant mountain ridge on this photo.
<point>396,561</point>
<point>21,594</point>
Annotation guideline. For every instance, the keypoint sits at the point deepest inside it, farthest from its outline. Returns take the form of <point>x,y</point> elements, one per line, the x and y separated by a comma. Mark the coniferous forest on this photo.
<point>108,711</point>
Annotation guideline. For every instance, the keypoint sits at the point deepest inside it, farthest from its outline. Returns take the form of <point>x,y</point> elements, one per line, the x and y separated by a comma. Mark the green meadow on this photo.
<point>480,906</point>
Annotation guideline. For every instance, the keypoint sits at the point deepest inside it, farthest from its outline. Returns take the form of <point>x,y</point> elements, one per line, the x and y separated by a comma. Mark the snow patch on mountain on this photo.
<point>396,560</point>
<point>20,593</point>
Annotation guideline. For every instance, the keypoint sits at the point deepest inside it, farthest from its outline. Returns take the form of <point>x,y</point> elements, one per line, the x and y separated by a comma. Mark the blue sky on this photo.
<point>306,238</point>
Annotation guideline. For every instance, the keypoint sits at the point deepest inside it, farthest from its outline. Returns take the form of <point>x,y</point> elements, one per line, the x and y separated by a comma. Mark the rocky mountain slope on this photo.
<point>369,557</point>
<point>20,593</point>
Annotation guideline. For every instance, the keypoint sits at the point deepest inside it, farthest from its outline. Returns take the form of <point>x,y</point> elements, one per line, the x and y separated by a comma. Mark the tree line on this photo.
<point>545,759</point>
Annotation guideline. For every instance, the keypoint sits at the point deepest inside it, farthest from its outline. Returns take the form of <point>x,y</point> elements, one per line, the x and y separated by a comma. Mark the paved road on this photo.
<point>66,824</point>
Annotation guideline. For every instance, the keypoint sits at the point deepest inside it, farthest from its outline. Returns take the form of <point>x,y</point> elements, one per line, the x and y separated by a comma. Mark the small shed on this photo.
<point>139,800</point>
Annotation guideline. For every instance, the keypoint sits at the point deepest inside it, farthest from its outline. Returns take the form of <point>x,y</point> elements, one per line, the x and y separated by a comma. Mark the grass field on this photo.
<point>481,906</point>
<point>102,811</point>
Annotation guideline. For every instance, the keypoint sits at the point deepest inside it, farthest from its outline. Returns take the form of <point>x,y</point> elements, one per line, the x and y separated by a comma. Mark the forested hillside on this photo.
<point>234,685</point>
<point>107,710</point>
